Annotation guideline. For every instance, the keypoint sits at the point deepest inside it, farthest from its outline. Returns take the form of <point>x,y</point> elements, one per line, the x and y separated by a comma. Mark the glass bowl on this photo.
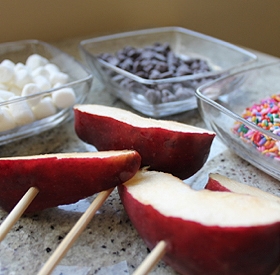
<point>21,115</point>
<point>244,116</point>
<point>220,56</point>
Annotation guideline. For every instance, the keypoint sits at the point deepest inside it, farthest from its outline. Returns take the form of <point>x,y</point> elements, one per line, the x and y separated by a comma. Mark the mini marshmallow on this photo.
<point>31,89</point>
<point>42,82</point>
<point>58,77</point>
<point>7,122</point>
<point>44,108</point>
<point>8,63</point>
<point>6,95</point>
<point>52,68</point>
<point>64,98</point>
<point>20,66</point>
<point>35,60</point>
<point>21,78</point>
<point>6,74</point>
<point>21,112</point>
<point>40,71</point>
<point>14,89</point>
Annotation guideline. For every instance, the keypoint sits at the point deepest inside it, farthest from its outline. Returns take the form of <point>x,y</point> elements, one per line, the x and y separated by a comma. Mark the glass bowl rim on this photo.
<point>212,102</point>
<point>88,77</point>
<point>165,29</point>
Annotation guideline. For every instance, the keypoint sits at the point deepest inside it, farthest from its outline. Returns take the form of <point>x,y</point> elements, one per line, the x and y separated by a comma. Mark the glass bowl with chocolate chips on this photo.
<point>156,71</point>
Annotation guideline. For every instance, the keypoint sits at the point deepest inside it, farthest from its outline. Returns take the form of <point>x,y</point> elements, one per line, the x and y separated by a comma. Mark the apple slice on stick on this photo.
<point>74,233</point>
<point>63,178</point>
<point>60,179</point>
<point>205,232</point>
<point>166,146</point>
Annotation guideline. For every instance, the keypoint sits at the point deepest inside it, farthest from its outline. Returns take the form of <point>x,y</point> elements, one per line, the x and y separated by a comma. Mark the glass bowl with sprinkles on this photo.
<point>246,114</point>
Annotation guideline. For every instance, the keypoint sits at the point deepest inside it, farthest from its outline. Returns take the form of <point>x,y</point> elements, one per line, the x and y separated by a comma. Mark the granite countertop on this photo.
<point>109,244</point>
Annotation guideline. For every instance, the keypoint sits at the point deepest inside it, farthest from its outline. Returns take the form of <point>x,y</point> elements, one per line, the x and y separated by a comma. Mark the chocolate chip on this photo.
<point>127,64</point>
<point>183,69</point>
<point>113,60</point>
<point>159,57</point>
<point>161,67</point>
<point>141,74</point>
<point>167,86</point>
<point>153,96</point>
<point>155,74</point>
<point>156,61</point>
<point>167,74</point>
<point>148,68</point>
<point>147,54</point>
<point>184,93</point>
<point>166,93</point>
<point>169,98</point>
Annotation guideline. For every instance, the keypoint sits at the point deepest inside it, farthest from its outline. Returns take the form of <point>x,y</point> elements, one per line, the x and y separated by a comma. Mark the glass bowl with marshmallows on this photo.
<point>39,84</point>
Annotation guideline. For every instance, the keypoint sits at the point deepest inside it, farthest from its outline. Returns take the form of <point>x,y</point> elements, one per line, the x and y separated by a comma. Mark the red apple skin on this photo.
<point>179,153</point>
<point>195,249</point>
<point>62,180</point>
<point>214,185</point>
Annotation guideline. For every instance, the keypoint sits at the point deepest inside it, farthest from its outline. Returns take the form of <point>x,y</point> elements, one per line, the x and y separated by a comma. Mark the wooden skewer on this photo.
<point>74,233</point>
<point>276,272</point>
<point>152,259</point>
<point>16,213</point>
<point>155,256</point>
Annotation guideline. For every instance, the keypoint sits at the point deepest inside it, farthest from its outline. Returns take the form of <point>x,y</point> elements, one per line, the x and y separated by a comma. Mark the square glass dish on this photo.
<point>39,84</point>
<point>246,114</point>
<point>167,93</point>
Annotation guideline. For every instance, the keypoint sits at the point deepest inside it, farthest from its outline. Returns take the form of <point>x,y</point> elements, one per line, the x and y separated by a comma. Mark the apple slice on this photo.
<point>166,146</point>
<point>206,232</point>
<point>63,178</point>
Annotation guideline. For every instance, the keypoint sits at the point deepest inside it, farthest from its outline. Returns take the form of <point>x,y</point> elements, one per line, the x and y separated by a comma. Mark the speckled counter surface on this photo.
<point>109,244</point>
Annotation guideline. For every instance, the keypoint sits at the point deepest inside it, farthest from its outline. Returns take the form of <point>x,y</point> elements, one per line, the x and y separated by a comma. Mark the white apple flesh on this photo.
<point>207,232</point>
<point>217,182</point>
<point>63,178</point>
<point>166,146</point>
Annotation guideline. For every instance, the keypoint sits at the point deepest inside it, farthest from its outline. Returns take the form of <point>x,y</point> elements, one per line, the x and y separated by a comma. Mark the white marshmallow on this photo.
<point>6,74</point>
<point>64,98</point>
<point>57,85</point>
<point>7,122</point>
<point>31,89</point>
<point>20,66</point>
<point>52,68</point>
<point>35,60</point>
<point>58,77</point>
<point>21,112</point>
<point>44,108</point>
<point>15,90</point>
<point>6,95</point>
<point>8,63</point>
<point>41,71</point>
<point>20,80</point>
<point>22,77</point>
<point>42,82</point>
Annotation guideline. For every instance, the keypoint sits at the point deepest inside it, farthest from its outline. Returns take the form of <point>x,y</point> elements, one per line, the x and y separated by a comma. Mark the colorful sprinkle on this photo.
<point>266,115</point>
